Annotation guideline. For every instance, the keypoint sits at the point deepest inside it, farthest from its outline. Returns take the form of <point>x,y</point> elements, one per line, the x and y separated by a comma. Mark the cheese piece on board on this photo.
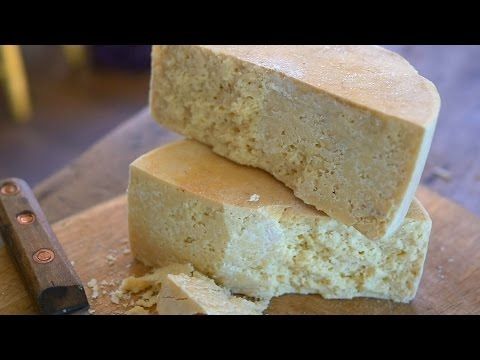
<point>188,205</point>
<point>193,295</point>
<point>348,128</point>
<point>134,285</point>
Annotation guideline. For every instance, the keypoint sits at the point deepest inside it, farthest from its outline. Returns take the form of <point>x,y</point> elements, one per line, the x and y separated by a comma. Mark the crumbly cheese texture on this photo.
<point>137,310</point>
<point>178,289</point>
<point>134,285</point>
<point>348,128</point>
<point>188,205</point>
<point>198,295</point>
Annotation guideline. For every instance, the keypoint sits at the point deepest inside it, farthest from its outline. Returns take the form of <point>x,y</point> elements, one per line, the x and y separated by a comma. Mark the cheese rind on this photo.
<point>189,205</point>
<point>193,295</point>
<point>348,128</point>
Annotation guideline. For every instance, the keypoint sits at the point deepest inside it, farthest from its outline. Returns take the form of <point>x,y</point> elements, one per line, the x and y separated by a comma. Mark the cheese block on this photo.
<point>348,128</point>
<point>184,294</point>
<point>248,231</point>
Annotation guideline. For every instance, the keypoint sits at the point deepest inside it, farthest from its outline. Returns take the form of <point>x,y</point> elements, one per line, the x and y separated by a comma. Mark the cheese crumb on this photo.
<point>126,251</point>
<point>72,262</point>
<point>450,260</point>
<point>91,311</point>
<point>104,283</point>
<point>111,259</point>
<point>95,293</point>
<point>114,298</point>
<point>137,310</point>
<point>440,272</point>
<point>118,295</point>
<point>146,302</point>
<point>148,299</point>
<point>137,284</point>
<point>93,284</point>
<point>254,198</point>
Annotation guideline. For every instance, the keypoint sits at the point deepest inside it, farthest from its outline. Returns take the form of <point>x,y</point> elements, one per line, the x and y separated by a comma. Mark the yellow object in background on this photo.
<point>14,81</point>
<point>13,78</point>
<point>76,56</point>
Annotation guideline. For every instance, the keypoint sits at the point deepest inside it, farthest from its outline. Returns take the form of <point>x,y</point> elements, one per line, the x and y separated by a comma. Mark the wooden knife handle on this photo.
<point>48,274</point>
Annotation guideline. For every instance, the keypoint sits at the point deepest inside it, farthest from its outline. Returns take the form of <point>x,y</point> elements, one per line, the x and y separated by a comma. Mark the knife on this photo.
<point>39,257</point>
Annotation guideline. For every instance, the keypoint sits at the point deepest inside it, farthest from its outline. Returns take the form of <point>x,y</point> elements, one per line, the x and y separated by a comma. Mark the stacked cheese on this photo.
<point>348,128</point>
<point>343,133</point>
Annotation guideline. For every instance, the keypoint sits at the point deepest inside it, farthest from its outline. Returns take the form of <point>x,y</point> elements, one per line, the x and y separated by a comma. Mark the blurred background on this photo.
<point>64,98</point>
<point>77,94</point>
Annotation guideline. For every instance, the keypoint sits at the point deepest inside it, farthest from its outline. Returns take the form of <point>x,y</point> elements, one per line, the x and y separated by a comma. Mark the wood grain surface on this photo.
<point>450,283</point>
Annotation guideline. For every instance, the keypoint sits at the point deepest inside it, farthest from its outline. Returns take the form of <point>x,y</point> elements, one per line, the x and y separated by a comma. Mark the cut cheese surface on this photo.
<point>198,295</point>
<point>348,128</point>
<point>189,205</point>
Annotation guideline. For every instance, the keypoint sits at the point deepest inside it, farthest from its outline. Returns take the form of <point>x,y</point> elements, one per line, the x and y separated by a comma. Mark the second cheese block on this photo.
<point>348,128</point>
<point>248,231</point>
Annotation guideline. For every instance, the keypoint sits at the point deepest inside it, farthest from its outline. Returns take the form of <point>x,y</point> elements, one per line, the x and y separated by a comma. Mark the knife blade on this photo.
<point>48,274</point>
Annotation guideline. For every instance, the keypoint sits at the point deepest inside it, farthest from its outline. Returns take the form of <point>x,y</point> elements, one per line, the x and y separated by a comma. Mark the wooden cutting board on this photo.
<point>450,284</point>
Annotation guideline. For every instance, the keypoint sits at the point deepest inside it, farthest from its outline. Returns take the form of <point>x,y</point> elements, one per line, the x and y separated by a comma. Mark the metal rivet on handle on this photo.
<point>26,217</point>
<point>9,189</point>
<point>43,256</point>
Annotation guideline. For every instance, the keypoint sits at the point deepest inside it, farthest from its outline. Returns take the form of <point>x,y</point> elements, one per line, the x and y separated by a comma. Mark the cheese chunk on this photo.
<point>137,310</point>
<point>348,128</point>
<point>191,295</point>
<point>134,285</point>
<point>189,205</point>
